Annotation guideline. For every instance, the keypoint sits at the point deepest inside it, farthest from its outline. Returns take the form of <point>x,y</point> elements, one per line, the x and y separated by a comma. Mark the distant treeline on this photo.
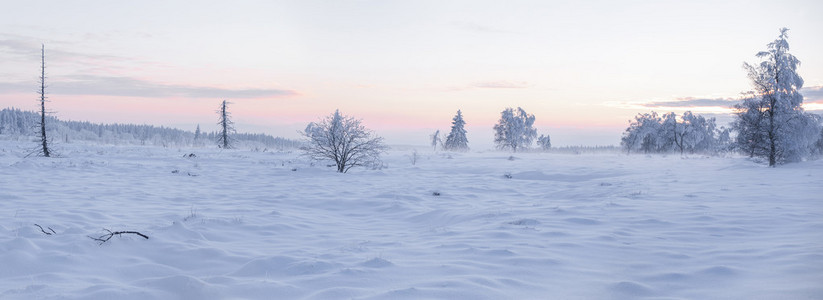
<point>585,149</point>
<point>16,123</point>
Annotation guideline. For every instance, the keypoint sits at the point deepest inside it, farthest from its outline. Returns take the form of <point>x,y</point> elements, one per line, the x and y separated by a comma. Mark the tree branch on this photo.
<point>44,231</point>
<point>106,237</point>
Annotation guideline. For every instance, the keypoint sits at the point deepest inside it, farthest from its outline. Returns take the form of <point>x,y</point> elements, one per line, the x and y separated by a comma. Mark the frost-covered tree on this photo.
<point>456,140</point>
<point>545,142</point>
<point>698,133</point>
<point>632,136</point>
<point>751,125</point>
<point>344,140</point>
<point>818,146</point>
<point>651,133</point>
<point>642,133</point>
<point>435,139</point>
<point>772,123</point>
<point>692,133</point>
<point>670,134</point>
<point>514,129</point>
<point>224,140</point>
<point>723,143</point>
<point>44,141</point>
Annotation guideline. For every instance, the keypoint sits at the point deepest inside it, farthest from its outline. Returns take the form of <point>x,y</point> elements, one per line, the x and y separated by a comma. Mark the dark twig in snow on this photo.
<point>32,152</point>
<point>44,231</point>
<point>106,237</point>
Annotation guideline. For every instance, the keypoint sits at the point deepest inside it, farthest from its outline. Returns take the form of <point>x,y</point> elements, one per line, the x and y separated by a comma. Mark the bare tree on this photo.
<point>344,140</point>
<point>226,126</point>
<point>44,144</point>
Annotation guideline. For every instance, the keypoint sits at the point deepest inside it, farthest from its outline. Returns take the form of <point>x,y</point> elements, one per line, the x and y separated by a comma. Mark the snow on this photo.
<point>236,224</point>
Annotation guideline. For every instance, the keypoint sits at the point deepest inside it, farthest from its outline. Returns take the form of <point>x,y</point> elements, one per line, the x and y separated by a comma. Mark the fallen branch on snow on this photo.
<point>106,237</point>
<point>44,231</point>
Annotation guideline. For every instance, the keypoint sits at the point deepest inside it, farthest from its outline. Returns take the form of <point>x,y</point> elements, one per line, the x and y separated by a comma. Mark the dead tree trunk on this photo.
<point>43,139</point>
<point>226,126</point>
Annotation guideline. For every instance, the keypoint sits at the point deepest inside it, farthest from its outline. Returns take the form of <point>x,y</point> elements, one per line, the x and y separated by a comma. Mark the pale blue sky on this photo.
<point>582,67</point>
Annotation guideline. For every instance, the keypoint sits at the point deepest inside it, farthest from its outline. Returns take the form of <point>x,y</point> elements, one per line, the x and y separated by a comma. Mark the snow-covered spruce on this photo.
<point>456,140</point>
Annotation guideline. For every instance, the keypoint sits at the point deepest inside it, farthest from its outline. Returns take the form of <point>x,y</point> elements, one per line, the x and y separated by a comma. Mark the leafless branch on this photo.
<point>344,140</point>
<point>44,231</point>
<point>106,237</point>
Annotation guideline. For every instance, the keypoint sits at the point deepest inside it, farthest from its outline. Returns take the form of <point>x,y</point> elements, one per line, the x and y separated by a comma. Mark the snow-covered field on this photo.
<point>260,225</point>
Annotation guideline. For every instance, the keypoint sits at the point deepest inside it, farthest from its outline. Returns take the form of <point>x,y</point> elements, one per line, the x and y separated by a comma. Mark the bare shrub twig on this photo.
<point>106,237</point>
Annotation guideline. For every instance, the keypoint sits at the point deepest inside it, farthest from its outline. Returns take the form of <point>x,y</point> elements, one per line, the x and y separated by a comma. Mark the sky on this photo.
<point>583,68</point>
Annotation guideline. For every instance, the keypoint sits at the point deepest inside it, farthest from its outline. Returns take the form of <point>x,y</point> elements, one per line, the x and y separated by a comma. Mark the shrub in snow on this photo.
<point>345,141</point>
<point>435,138</point>
<point>414,157</point>
<point>192,214</point>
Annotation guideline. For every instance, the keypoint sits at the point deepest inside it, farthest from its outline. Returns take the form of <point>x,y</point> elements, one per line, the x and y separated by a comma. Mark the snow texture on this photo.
<point>235,224</point>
